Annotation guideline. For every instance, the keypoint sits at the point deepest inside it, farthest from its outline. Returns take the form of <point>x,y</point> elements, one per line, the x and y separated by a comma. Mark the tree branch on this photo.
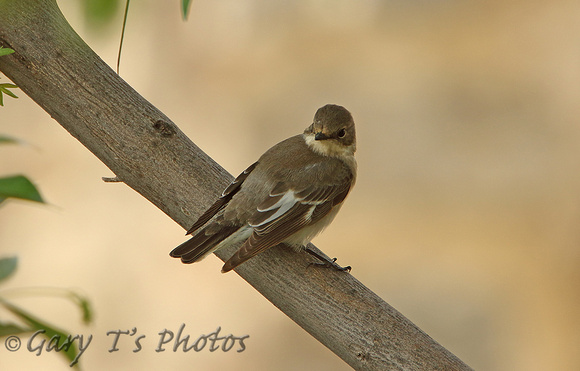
<point>150,154</point>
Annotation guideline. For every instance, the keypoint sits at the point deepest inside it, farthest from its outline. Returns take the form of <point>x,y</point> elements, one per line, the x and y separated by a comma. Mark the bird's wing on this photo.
<point>284,212</point>
<point>223,200</point>
<point>209,235</point>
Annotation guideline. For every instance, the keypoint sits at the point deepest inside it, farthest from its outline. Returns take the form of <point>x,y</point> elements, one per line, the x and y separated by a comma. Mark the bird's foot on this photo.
<point>325,262</point>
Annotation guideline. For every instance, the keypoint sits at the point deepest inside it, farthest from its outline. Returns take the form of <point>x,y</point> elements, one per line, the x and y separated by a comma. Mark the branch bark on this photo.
<point>149,153</point>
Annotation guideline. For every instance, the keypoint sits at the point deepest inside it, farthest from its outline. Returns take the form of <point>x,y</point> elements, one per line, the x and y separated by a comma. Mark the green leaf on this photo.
<point>185,5</point>
<point>11,329</point>
<point>4,90</point>
<point>50,330</point>
<point>84,306</point>
<point>5,51</point>
<point>99,13</point>
<point>8,140</point>
<point>19,186</point>
<point>7,267</point>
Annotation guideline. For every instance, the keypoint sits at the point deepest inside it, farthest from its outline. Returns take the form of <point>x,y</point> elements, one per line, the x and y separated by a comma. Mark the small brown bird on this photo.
<point>288,196</point>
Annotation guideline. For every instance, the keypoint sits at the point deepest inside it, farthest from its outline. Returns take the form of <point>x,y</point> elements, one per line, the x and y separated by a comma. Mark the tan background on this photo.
<point>465,216</point>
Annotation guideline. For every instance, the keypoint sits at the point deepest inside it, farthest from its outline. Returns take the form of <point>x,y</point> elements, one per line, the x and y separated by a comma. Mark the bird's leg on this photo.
<point>327,262</point>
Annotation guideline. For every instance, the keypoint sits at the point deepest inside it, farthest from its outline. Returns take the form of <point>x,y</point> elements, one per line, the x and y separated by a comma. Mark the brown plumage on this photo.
<point>288,196</point>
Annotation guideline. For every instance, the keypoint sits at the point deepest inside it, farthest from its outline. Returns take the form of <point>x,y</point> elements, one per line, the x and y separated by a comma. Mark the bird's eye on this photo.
<point>342,133</point>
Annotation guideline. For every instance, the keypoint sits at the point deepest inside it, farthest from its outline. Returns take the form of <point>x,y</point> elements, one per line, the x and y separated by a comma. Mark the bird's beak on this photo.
<point>320,136</point>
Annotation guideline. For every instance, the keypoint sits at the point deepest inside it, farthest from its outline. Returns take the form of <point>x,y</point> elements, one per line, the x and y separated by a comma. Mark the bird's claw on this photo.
<point>327,263</point>
<point>332,264</point>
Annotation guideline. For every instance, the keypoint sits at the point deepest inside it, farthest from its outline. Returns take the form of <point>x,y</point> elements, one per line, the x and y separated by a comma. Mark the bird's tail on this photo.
<point>202,244</point>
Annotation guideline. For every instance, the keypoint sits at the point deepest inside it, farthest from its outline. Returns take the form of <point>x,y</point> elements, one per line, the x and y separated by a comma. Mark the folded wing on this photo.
<point>285,212</point>
<point>209,233</point>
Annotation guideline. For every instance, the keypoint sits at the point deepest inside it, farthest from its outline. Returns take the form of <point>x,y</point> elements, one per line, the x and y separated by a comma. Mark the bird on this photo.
<point>288,196</point>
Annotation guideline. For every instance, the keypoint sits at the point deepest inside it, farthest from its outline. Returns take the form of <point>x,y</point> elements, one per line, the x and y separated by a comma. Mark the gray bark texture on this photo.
<point>149,153</point>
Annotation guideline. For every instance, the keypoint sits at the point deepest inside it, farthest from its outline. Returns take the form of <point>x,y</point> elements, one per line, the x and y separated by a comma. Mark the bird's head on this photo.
<point>332,133</point>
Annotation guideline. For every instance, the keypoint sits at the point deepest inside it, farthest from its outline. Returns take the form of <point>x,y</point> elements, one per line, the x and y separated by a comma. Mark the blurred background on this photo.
<point>465,216</point>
